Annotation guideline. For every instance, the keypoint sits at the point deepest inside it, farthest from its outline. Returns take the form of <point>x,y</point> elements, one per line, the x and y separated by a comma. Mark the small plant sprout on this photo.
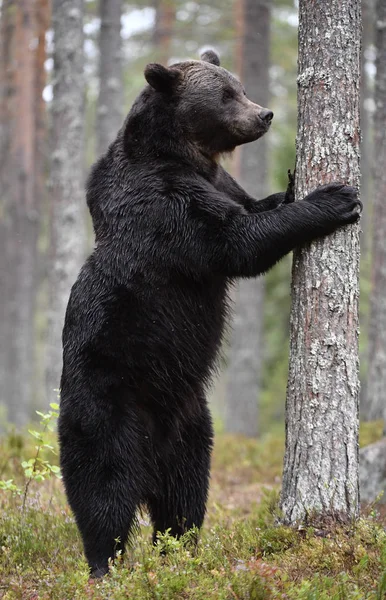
<point>37,468</point>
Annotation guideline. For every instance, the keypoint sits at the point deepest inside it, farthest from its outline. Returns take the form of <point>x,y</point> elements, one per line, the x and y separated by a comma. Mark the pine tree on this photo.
<point>22,123</point>
<point>376,384</point>
<point>67,194</point>
<point>246,350</point>
<point>321,457</point>
<point>110,101</point>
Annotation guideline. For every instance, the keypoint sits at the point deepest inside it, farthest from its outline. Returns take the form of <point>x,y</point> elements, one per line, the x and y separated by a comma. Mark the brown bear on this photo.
<point>146,315</point>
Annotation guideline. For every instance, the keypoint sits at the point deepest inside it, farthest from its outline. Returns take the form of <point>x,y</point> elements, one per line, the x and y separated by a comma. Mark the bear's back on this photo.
<point>130,307</point>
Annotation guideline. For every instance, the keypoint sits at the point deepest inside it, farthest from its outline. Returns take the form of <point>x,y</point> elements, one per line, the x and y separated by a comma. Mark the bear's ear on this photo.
<point>211,57</point>
<point>161,78</point>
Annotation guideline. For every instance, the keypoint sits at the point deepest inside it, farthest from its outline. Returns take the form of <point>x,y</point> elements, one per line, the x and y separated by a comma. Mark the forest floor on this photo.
<point>241,555</point>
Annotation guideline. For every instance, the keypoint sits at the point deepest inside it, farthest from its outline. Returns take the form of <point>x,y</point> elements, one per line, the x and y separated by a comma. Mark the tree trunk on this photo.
<point>43,22</point>
<point>376,385</point>
<point>372,474</point>
<point>7,197</point>
<point>321,456</point>
<point>22,86</point>
<point>68,213</point>
<point>246,350</point>
<point>367,177</point>
<point>165,17</point>
<point>110,100</point>
<point>367,156</point>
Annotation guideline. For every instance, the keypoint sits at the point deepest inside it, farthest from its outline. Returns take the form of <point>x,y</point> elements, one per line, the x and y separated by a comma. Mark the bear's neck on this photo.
<point>151,133</point>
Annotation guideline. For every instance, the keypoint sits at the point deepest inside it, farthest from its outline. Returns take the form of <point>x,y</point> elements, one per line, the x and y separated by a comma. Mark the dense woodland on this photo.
<point>48,239</point>
<point>69,72</point>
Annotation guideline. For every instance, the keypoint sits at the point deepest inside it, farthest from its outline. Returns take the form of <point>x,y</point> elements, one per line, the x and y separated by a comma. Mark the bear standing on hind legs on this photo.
<point>146,315</point>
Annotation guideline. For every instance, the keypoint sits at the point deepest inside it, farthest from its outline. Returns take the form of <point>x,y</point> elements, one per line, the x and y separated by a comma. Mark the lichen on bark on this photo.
<point>321,458</point>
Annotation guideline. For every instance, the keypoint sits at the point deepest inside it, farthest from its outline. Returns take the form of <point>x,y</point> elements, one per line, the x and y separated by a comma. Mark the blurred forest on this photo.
<point>55,124</point>
<point>69,73</point>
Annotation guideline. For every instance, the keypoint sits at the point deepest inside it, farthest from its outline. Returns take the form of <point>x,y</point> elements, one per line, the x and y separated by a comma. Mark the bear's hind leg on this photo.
<point>102,490</point>
<point>106,534</point>
<point>184,476</point>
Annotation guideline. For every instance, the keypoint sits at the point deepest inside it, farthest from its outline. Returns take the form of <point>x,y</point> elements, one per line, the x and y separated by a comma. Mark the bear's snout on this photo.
<point>266,116</point>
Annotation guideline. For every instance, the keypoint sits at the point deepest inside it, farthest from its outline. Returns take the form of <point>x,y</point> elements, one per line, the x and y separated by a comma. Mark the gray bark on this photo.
<point>321,456</point>
<point>246,349</point>
<point>110,100</point>
<point>68,214</point>
<point>376,384</point>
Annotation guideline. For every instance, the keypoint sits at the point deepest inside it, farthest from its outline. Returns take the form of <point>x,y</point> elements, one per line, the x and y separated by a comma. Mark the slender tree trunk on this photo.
<point>367,173</point>
<point>110,100</point>
<point>165,17</point>
<point>22,84</point>
<point>367,156</point>
<point>43,22</point>
<point>68,217</point>
<point>7,108</point>
<point>321,456</point>
<point>246,350</point>
<point>376,385</point>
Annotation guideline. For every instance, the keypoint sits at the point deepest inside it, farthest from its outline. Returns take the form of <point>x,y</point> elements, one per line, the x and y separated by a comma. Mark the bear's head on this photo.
<point>209,105</point>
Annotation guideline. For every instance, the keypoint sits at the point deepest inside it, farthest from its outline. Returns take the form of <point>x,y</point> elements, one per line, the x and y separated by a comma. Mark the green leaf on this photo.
<point>36,434</point>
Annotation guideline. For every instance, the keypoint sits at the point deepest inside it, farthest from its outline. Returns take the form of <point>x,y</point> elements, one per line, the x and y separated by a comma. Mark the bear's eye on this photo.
<point>227,95</point>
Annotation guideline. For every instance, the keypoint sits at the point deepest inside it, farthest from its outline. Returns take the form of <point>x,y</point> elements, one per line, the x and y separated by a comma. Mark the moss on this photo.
<point>241,554</point>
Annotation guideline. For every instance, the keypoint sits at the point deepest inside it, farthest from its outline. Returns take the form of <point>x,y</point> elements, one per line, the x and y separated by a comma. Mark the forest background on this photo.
<point>45,234</point>
<point>37,265</point>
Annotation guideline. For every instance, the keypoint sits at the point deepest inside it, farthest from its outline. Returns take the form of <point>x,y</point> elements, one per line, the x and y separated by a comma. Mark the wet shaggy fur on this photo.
<point>146,315</point>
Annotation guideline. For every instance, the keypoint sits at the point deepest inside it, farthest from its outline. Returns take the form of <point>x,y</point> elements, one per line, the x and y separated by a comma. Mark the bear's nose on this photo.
<point>266,116</point>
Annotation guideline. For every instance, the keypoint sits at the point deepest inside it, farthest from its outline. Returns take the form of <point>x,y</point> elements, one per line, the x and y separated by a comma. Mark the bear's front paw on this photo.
<point>340,202</point>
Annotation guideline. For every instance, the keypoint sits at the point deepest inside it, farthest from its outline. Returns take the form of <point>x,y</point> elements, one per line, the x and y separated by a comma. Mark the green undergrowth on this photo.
<point>242,553</point>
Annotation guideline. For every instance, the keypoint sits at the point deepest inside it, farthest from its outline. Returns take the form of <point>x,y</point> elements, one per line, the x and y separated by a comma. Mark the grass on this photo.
<point>241,553</point>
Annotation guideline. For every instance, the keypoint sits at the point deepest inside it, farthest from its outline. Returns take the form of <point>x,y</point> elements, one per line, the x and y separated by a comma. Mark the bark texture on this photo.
<point>22,117</point>
<point>321,457</point>
<point>246,349</point>
<point>110,100</point>
<point>67,196</point>
<point>376,385</point>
